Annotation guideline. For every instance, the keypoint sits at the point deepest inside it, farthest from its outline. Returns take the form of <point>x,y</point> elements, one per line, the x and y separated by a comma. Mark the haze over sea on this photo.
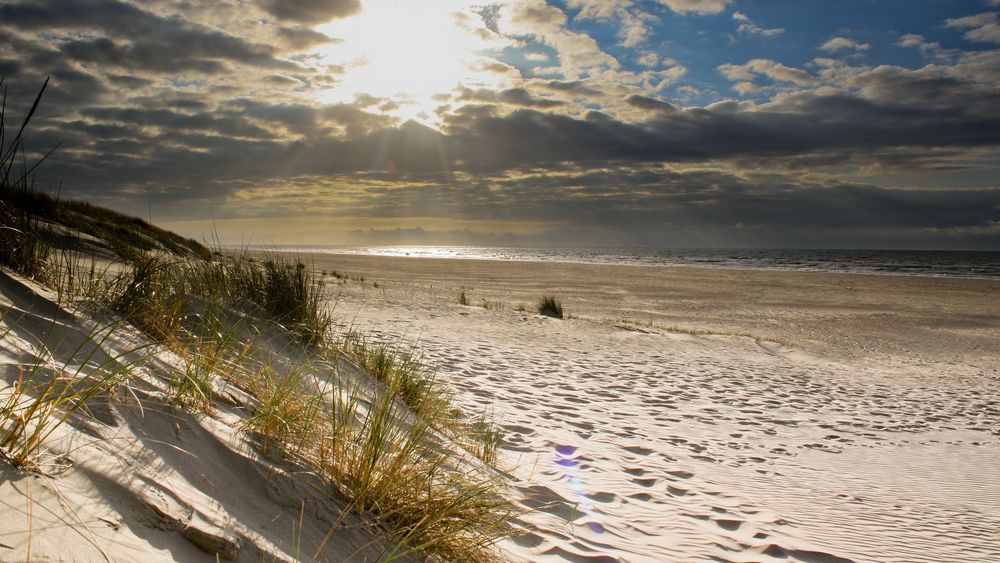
<point>936,263</point>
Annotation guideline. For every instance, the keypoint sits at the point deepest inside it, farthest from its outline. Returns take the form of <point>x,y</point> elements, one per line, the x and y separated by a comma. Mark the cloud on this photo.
<point>131,38</point>
<point>696,6</point>
<point>912,40</point>
<point>633,22</point>
<point>299,38</point>
<point>748,27</point>
<point>513,96</point>
<point>838,44</point>
<point>768,68</point>
<point>310,11</point>
<point>982,28</point>
<point>649,59</point>
<point>634,18</point>
<point>578,53</point>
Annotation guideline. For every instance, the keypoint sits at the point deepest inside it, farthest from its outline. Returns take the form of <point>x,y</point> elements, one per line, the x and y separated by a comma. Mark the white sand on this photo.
<point>870,432</point>
<point>872,435</point>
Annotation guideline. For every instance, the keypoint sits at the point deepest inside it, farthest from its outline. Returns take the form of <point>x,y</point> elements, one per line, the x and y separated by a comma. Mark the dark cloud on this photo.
<point>662,207</point>
<point>894,109</point>
<point>646,199</point>
<point>130,37</point>
<point>512,96</point>
<point>142,56</point>
<point>299,37</point>
<point>310,11</point>
<point>649,104</point>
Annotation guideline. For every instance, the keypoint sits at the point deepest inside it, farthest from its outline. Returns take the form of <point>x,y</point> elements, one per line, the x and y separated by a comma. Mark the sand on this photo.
<point>859,421</point>
<point>869,432</point>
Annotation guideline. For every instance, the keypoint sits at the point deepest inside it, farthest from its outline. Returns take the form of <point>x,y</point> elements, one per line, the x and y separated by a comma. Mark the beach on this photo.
<point>713,414</point>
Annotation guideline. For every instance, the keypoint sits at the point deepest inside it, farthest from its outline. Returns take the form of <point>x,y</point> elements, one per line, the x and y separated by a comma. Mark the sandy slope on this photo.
<point>873,435</point>
<point>143,481</point>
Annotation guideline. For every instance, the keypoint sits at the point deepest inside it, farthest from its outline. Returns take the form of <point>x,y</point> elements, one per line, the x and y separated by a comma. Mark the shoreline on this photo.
<point>327,251</point>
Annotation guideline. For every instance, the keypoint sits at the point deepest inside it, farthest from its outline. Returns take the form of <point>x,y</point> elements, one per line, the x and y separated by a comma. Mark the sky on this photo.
<point>670,123</point>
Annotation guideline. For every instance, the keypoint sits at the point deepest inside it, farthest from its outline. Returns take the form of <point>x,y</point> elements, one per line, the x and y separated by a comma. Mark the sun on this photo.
<point>408,52</point>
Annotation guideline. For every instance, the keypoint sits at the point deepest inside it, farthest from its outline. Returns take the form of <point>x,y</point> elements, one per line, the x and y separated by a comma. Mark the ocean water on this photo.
<point>936,263</point>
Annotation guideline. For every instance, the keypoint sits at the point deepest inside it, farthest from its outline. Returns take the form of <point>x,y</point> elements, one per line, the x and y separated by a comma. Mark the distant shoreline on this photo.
<point>957,264</point>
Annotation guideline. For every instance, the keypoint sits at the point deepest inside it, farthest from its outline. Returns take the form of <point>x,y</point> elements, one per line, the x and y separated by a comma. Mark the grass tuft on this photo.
<point>550,307</point>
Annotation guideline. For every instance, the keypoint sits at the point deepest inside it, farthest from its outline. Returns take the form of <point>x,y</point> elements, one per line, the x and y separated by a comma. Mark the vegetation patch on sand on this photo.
<point>367,418</point>
<point>550,307</point>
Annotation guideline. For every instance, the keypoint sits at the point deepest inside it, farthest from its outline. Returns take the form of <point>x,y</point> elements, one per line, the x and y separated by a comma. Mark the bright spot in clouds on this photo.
<point>408,51</point>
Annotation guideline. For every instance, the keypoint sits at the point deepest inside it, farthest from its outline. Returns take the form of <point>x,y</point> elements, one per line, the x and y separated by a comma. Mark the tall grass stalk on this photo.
<point>21,247</point>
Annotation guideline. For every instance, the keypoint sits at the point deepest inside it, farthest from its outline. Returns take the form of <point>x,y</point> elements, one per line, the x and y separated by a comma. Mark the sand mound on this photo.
<point>137,479</point>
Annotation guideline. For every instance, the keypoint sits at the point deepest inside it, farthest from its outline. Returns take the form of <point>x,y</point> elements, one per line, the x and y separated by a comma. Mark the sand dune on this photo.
<point>140,480</point>
<point>869,434</point>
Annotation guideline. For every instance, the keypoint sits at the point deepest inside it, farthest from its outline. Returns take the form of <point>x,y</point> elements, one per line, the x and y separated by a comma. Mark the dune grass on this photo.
<point>393,450</point>
<point>157,292</point>
<point>382,449</point>
<point>287,418</point>
<point>493,304</point>
<point>391,464</point>
<point>401,371</point>
<point>550,307</point>
<point>49,391</point>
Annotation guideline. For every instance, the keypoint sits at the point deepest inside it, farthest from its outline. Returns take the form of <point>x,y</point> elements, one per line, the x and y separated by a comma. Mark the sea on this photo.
<point>934,263</point>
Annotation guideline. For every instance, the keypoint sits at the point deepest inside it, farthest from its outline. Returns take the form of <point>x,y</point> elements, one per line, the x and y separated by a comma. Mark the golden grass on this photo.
<point>393,449</point>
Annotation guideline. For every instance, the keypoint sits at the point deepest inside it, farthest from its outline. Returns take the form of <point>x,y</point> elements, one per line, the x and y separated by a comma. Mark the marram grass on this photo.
<point>393,454</point>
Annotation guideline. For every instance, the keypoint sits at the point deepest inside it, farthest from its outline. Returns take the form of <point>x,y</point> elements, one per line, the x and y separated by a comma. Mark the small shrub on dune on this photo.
<point>147,294</point>
<point>294,295</point>
<point>550,307</point>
